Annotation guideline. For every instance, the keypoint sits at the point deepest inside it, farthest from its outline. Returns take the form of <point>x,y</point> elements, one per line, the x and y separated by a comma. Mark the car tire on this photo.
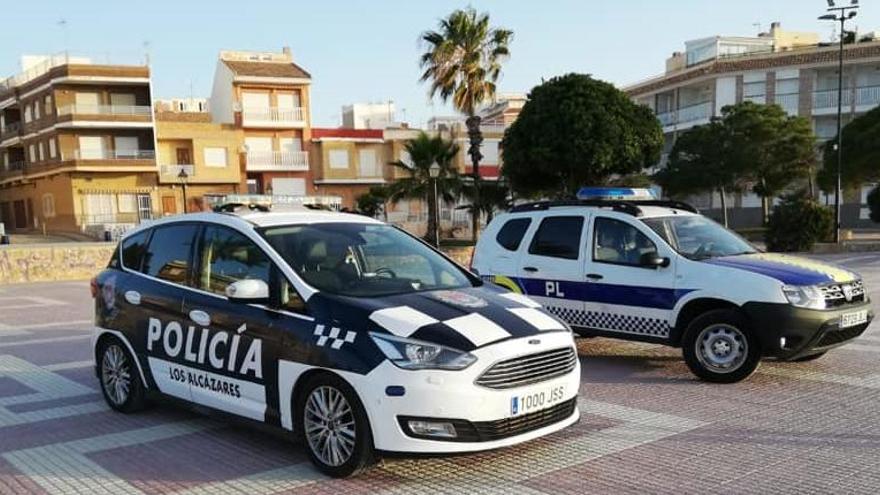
<point>811,357</point>
<point>339,441</point>
<point>121,382</point>
<point>719,346</point>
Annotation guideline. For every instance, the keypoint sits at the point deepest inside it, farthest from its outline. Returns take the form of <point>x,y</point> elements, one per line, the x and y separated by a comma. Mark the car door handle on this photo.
<point>594,276</point>
<point>133,297</point>
<point>530,269</point>
<point>200,317</point>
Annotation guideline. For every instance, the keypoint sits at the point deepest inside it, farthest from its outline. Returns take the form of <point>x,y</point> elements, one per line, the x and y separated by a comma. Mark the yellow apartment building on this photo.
<point>348,162</point>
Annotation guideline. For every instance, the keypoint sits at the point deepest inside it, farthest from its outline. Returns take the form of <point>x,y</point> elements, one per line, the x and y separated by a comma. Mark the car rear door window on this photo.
<point>511,234</point>
<point>133,249</point>
<point>169,254</point>
<point>227,256</point>
<point>558,237</point>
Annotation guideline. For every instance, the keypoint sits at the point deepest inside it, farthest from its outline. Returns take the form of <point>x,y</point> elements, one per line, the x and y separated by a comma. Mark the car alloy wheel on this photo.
<point>116,374</point>
<point>721,348</point>
<point>330,425</point>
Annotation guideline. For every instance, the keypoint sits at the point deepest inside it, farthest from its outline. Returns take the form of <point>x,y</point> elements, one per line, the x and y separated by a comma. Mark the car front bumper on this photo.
<point>806,331</point>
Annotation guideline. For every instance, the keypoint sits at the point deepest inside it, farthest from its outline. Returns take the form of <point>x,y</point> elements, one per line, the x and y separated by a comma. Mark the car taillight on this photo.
<point>93,286</point>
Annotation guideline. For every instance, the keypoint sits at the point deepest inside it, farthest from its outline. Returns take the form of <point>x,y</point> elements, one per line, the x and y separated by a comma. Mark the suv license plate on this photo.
<point>852,319</point>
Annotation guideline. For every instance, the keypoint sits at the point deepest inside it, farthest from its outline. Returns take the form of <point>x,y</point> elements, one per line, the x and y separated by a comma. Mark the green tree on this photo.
<point>372,202</point>
<point>699,163</point>
<point>462,61</point>
<point>798,222</point>
<point>861,154</point>
<point>424,151</point>
<point>494,196</point>
<point>575,131</point>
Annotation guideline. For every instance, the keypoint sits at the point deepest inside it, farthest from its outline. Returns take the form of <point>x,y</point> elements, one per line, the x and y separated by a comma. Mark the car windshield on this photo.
<point>363,260</point>
<point>697,237</point>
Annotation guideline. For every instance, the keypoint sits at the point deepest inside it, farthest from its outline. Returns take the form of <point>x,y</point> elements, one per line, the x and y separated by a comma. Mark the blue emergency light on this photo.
<point>616,193</point>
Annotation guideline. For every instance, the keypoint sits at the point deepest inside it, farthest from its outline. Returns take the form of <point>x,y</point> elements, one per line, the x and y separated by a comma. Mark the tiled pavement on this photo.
<point>647,427</point>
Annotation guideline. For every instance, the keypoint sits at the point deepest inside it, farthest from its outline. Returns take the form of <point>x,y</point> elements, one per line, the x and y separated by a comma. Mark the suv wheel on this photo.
<point>334,427</point>
<point>719,347</point>
<point>121,382</point>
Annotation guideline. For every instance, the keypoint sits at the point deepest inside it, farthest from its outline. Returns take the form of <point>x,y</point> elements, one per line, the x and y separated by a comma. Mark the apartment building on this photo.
<point>266,96</point>
<point>791,69</point>
<point>348,162</point>
<point>77,145</point>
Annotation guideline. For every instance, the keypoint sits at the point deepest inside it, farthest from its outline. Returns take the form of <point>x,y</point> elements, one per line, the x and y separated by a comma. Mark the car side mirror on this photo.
<point>653,260</point>
<point>248,291</point>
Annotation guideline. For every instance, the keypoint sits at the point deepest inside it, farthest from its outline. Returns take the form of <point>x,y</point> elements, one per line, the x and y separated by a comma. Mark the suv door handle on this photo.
<point>594,276</point>
<point>530,269</point>
<point>200,317</point>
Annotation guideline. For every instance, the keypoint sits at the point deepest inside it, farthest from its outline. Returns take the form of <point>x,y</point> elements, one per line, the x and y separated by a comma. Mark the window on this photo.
<point>91,147</point>
<point>511,234</point>
<point>558,237</point>
<point>48,206</point>
<point>133,249</point>
<point>215,157</point>
<point>52,150</point>
<point>127,203</point>
<point>168,256</point>
<point>368,165</point>
<point>126,146</point>
<point>36,110</point>
<point>87,102</point>
<point>754,89</point>
<point>123,100</point>
<point>620,243</point>
<point>28,116</point>
<point>32,152</point>
<point>42,151</point>
<point>489,149</point>
<point>338,158</point>
<point>47,105</point>
<point>287,100</point>
<point>228,256</point>
<point>288,187</point>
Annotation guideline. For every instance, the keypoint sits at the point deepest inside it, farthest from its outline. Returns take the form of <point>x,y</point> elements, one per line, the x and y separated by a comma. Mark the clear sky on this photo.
<point>360,51</point>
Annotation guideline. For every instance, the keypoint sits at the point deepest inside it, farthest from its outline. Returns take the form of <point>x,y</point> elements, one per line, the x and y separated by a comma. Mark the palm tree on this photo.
<point>424,151</point>
<point>494,196</point>
<point>462,61</point>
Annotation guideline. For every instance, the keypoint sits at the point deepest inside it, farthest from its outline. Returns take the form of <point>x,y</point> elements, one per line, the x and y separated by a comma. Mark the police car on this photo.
<point>349,332</point>
<point>619,263</point>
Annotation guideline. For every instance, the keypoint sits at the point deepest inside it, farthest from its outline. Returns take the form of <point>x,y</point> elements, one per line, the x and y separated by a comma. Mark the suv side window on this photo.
<point>558,237</point>
<point>228,256</point>
<point>511,234</point>
<point>133,250</point>
<point>619,243</point>
<point>169,253</point>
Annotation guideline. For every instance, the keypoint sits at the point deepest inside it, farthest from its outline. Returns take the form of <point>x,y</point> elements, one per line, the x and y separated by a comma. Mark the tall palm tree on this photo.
<point>462,60</point>
<point>424,151</point>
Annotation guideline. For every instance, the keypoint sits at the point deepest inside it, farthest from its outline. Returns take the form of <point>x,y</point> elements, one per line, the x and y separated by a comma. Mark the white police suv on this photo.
<point>349,332</point>
<point>618,263</point>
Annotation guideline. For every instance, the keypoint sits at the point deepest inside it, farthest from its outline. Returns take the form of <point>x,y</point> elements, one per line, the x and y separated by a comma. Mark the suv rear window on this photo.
<point>558,237</point>
<point>168,257</point>
<point>511,233</point>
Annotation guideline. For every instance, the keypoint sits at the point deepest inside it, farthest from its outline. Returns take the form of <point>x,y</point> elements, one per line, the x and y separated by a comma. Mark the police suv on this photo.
<point>618,263</point>
<point>349,332</point>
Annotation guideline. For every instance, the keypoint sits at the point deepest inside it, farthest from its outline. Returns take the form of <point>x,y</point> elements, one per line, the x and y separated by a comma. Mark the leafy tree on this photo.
<point>494,196</point>
<point>462,60</point>
<point>372,203</point>
<point>861,154</point>
<point>797,223</point>
<point>575,131</point>
<point>699,163</point>
<point>424,151</point>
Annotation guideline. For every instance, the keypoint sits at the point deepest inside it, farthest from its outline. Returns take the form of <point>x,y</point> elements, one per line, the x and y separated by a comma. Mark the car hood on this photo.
<point>790,270</point>
<point>463,319</point>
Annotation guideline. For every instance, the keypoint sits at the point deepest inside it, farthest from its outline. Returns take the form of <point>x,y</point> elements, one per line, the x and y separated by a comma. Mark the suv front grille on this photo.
<point>835,294</point>
<point>532,368</point>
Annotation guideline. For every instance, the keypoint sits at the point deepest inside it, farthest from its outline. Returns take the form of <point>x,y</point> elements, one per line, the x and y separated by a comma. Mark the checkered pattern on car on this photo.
<point>639,325</point>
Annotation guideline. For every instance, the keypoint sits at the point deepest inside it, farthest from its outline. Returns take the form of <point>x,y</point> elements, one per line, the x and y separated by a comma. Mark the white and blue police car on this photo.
<point>350,333</point>
<point>619,263</point>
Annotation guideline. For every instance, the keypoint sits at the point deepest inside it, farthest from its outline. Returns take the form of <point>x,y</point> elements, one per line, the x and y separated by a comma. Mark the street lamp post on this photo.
<point>434,172</point>
<point>841,15</point>
<point>183,176</point>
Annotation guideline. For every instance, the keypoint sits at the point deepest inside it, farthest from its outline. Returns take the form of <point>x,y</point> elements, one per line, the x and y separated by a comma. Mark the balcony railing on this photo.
<point>277,160</point>
<point>789,102</point>
<point>272,115</point>
<point>868,96</point>
<point>11,129</point>
<point>759,99</point>
<point>827,98</point>
<point>687,114</point>
<point>124,110</point>
<point>111,155</point>
<point>174,170</point>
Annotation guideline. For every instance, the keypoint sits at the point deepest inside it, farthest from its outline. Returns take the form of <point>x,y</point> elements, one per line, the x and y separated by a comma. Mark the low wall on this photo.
<point>81,261</point>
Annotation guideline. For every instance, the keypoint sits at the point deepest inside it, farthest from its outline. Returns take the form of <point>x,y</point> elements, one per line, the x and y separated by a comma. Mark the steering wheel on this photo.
<point>704,249</point>
<point>385,271</point>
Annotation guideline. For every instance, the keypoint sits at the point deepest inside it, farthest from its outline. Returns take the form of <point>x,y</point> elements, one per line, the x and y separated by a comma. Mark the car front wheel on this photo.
<point>334,427</point>
<point>719,347</point>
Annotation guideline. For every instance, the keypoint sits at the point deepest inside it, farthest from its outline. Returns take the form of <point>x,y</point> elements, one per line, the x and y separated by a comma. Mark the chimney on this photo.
<point>286,51</point>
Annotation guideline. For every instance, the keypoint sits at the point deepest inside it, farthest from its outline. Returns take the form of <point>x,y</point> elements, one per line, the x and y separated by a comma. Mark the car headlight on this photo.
<point>417,355</point>
<point>805,296</point>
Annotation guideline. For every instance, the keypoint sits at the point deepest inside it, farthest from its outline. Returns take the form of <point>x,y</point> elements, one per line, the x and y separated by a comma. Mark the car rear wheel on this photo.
<point>121,382</point>
<point>334,427</point>
<point>719,347</point>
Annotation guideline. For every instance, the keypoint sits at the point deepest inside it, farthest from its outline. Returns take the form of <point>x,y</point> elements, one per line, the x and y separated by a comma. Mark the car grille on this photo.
<point>532,368</point>
<point>835,294</point>
<point>842,335</point>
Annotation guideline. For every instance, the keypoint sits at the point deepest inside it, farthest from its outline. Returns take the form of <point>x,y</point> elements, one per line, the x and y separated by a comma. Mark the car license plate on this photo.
<point>852,319</point>
<point>536,399</point>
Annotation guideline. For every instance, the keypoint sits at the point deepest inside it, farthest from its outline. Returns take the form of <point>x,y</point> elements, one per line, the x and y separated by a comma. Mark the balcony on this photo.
<point>13,169</point>
<point>174,170</point>
<point>12,129</point>
<point>827,99</point>
<point>789,102</point>
<point>277,161</point>
<point>687,115</point>
<point>272,117</point>
<point>99,154</point>
<point>125,110</point>
<point>868,96</point>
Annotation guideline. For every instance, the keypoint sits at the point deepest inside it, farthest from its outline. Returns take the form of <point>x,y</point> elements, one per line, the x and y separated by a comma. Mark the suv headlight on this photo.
<point>417,355</point>
<point>806,296</point>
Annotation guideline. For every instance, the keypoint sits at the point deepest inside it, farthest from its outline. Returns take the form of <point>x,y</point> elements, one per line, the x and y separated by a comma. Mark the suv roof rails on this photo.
<point>628,207</point>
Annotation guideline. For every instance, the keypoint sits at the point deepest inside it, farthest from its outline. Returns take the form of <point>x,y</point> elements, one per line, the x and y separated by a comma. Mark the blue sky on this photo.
<point>360,51</point>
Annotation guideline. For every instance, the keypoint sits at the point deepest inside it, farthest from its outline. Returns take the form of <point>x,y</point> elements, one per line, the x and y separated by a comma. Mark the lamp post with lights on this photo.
<point>434,172</point>
<point>839,14</point>
<point>183,176</point>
